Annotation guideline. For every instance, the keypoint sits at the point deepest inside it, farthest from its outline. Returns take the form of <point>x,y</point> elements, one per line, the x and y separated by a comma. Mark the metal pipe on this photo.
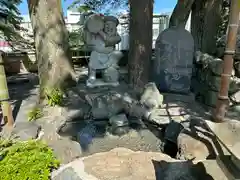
<point>223,99</point>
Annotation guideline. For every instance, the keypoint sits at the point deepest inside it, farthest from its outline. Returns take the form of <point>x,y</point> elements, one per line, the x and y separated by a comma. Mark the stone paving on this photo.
<point>124,164</point>
<point>180,108</point>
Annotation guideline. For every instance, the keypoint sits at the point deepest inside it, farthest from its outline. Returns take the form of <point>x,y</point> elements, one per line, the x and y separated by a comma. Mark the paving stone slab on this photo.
<point>26,130</point>
<point>27,105</point>
<point>124,164</point>
<point>228,134</point>
<point>214,170</point>
<point>228,167</point>
<point>67,174</point>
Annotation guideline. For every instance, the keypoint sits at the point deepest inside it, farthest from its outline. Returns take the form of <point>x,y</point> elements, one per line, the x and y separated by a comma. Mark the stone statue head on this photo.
<point>110,25</point>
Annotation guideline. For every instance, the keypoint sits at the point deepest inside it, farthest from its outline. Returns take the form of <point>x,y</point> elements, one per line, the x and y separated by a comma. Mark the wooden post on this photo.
<point>60,6</point>
<point>4,96</point>
<point>223,100</point>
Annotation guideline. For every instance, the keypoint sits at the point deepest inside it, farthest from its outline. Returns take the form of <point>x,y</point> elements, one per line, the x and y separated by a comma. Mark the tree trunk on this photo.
<point>51,42</point>
<point>205,23</point>
<point>181,13</point>
<point>140,48</point>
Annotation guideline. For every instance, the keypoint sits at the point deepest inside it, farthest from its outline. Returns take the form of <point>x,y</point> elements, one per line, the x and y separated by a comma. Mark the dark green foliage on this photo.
<point>54,97</point>
<point>76,39</point>
<point>10,30</point>
<point>35,114</point>
<point>103,6</point>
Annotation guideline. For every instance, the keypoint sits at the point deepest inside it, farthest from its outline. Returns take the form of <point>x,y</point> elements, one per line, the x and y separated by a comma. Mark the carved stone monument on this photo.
<point>172,67</point>
<point>101,37</point>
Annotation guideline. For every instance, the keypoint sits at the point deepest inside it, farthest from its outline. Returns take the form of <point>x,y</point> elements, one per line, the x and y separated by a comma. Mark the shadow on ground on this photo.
<point>20,87</point>
<point>195,126</point>
<point>180,170</point>
<point>98,136</point>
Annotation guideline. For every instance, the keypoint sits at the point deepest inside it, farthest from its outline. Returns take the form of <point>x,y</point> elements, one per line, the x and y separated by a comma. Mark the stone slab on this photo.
<point>67,174</point>
<point>172,69</point>
<point>214,170</point>
<point>74,166</point>
<point>228,167</point>
<point>27,105</point>
<point>26,130</point>
<point>228,134</point>
<point>124,164</point>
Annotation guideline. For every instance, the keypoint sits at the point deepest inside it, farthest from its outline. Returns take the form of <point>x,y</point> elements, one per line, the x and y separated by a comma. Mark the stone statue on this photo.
<point>101,37</point>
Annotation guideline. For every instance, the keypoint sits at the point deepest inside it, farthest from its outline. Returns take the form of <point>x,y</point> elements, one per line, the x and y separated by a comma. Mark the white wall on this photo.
<point>72,19</point>
<point>188,24</point>
<point>157,28</point>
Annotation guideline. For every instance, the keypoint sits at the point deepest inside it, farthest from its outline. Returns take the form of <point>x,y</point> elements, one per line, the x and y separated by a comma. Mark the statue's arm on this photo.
<point>110,41</point>
<point>102,49</point>
<point>103,35</point>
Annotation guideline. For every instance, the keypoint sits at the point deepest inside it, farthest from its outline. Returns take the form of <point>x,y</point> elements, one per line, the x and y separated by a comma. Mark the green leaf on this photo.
<point>28,160</point>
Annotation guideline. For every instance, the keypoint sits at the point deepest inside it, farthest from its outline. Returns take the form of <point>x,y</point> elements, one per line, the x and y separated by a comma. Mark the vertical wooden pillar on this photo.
<point>60,6</point>
<point>4,95</point>
<point>223,100</point>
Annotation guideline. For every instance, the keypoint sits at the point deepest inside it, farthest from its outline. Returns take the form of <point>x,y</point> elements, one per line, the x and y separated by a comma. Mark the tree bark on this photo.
<point>140,42</point>
<point>181,13</point>
<point>205,23</point>
<point>51,43</point>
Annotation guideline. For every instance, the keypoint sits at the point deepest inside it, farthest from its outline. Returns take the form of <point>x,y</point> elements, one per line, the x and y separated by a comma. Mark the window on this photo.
<point>155,32</point>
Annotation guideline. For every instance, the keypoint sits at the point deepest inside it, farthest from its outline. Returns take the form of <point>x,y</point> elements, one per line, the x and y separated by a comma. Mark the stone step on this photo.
<point>214,170</point>
<point>228,166</point>
<point>228,133</point>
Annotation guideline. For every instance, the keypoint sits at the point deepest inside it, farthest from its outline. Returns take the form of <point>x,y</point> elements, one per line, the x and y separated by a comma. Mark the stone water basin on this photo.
<point>95,137</point>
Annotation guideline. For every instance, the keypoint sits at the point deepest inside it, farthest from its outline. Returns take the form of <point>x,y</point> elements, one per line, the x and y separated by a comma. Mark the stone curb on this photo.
<point>26,105</point>
<point>78,167</point>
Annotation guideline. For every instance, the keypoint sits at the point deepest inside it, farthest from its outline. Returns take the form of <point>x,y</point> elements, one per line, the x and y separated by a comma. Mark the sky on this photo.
<point>160,6</point>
